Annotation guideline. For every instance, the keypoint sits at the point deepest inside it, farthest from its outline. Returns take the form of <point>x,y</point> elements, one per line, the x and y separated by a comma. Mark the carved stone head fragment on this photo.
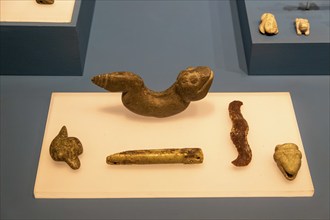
<point>288,159</point>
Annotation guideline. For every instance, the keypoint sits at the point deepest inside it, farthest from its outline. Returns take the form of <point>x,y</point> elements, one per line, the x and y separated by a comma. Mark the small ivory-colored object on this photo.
<point>302,26</point>
<point>67,149</point>
<point>288,159</point>
<point>157,156</point>
<point>192,84</point>
<point>268,24</point>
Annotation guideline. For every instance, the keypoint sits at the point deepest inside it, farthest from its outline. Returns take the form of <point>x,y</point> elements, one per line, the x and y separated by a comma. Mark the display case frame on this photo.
<point>46,48</point>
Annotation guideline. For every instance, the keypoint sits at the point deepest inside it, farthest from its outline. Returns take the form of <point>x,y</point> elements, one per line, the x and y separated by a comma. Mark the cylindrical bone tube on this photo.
<point>157,156</point>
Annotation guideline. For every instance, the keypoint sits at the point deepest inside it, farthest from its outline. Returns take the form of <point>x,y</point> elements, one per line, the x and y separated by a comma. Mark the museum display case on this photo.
<point>241,132</point>
<point>205,124</point>
<point>44,39</point>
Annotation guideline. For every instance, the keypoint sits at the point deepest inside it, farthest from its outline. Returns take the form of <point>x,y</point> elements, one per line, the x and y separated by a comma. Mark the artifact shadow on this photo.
<point>195,110</point>
<point>304,7</point>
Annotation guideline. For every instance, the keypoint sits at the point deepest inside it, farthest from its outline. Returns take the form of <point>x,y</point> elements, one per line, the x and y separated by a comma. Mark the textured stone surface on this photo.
<point>268,24</point>
<point>238,134</point>
<point>192,84</point>
<point>67,149</point>
<point>288,159</point>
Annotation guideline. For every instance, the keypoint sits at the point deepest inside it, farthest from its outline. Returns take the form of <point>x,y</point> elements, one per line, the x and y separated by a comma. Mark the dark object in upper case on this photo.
<point>192,84</point>
<point>45,2</point>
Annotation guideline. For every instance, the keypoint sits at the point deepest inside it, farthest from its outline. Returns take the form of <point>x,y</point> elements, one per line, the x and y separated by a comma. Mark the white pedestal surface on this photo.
<point>105,126</point>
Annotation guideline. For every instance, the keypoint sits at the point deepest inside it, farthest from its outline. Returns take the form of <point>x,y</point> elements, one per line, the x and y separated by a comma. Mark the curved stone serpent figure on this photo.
<point>45,2</point>
<point>192,84</point>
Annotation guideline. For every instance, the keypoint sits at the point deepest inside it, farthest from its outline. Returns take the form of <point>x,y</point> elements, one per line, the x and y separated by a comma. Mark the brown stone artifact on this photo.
<point>67,149</point>
<point>288,159</point>
<point>302,26</point>
<point>157,156</point>
<point>238,134</point>
<point>268,24</point>
<point>45,2</point>
<point>192,84</point>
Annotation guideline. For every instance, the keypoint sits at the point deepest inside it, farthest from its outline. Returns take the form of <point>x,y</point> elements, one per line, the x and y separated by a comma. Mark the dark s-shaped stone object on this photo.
<point>67,149</point>
<point>192,84</point>
<point>238,134</point>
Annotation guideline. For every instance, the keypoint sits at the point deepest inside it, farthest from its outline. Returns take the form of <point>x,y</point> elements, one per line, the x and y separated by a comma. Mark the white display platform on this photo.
<point>30,11</point>
<point>105,126</point>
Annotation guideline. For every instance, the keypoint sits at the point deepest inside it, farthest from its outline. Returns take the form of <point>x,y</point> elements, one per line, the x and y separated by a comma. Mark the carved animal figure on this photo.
<point>67,149</point>
<point>192,84</point>
<point>288,159</point>
<point>268,24</point>
<point>302,26</point>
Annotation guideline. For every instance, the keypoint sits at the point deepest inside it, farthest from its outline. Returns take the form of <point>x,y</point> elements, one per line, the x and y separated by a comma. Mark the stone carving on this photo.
<point>45,2</point>
<point>157,156</point>
<point>238,134</point>
<point>288,159</point>
<point>302,26</point>
<point>192,84</point>
<point>67,149</point>
<point>268,24</point>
